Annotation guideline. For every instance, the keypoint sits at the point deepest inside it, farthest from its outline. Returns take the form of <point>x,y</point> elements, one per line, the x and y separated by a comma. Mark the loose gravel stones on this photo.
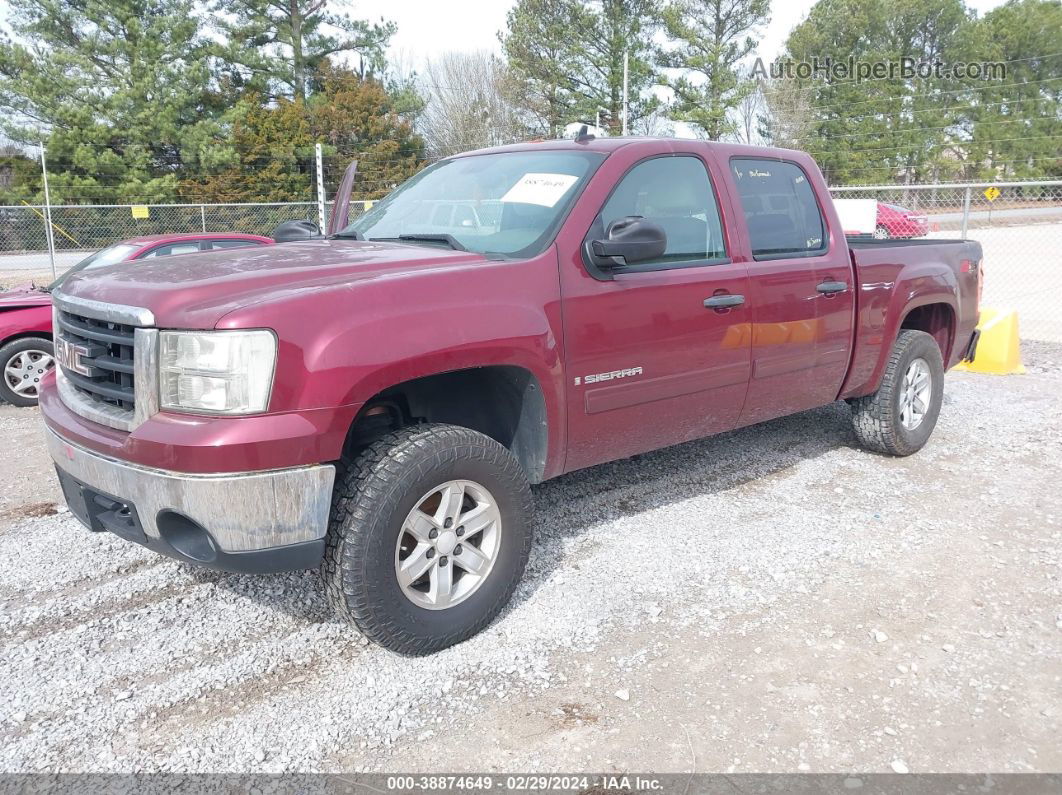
<point>116,659</point>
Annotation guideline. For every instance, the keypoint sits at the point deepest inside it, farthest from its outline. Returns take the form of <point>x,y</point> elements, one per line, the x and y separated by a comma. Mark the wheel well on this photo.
<point>937,320</point>
<point>46,335</point>
<point>502,402</point>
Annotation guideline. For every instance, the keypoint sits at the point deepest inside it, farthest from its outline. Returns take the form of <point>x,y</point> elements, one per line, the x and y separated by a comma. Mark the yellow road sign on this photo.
<point>992,193</point>
<point>140,211</point>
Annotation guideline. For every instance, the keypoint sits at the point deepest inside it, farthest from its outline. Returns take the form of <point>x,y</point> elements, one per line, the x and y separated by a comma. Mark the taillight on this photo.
<point>965,266</point>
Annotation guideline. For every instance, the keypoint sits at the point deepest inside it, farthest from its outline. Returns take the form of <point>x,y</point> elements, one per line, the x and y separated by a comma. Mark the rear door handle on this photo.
<point>724,301</point>
<point>828,288</point>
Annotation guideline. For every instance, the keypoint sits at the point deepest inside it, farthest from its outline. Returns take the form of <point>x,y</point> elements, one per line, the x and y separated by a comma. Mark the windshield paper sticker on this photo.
<point>542,189</point>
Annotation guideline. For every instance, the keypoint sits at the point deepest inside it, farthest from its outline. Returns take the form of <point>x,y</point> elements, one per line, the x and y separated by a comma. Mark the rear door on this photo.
<point>648,363</point>
<point>800,294</point>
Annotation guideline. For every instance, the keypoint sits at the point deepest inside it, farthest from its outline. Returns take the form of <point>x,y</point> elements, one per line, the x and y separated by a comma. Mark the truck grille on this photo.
<point>102,367</point>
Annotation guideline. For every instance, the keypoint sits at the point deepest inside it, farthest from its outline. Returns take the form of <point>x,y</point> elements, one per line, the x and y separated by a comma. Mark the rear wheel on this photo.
<point>23,364</point>
<point>899,418</point>
<point>881,232</point>
<point>429,535</point>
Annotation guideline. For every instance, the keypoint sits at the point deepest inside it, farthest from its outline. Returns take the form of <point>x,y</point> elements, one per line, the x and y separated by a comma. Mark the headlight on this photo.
<point>216,372</point>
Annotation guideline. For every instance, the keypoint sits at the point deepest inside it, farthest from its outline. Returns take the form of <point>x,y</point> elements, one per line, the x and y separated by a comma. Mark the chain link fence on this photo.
<point>79,229</point>
<point>1019,227</point>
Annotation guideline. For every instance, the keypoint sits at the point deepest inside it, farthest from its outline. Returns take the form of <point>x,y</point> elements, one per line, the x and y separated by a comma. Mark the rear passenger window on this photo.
<point>783,216</point>
<point>219,244</point>
<point>675,193</point>
<point>173,248</point>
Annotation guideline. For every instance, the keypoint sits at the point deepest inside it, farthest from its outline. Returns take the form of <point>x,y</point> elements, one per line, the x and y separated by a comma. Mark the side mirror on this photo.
<point>629,240</point>
<point>296,230</point>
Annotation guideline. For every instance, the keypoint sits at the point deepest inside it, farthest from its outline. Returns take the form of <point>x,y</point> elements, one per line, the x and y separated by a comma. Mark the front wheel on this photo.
<point>23,364</point>
<point>429,535</point>
<point>899,418</point>
<point>881,232</point>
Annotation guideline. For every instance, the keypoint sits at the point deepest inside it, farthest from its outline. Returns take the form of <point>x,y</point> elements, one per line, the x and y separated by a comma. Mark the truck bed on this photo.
<point>945,271</point>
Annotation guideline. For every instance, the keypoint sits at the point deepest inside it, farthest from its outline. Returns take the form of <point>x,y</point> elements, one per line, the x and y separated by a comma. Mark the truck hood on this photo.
<point>196,290</point>
<point>21,297</point>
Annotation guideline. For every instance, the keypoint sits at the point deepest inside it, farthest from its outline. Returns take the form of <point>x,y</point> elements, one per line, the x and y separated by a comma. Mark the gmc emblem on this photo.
<point>70,355</point>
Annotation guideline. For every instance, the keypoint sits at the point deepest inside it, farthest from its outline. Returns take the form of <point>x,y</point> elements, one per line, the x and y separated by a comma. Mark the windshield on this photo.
<point>507,204</point>
<point>106,256</point>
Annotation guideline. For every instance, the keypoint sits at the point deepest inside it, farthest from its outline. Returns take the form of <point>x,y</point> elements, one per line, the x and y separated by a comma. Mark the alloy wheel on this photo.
<point>917,390</point>
<point>448,544</point>
<point>24,371</point>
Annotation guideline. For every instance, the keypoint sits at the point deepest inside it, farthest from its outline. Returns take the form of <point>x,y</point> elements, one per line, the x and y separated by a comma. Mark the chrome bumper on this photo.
<point>243,513</point>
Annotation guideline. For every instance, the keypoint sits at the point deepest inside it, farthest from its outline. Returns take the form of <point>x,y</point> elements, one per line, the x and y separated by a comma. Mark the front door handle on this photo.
<point>724,301</point>
<point>828,288</point>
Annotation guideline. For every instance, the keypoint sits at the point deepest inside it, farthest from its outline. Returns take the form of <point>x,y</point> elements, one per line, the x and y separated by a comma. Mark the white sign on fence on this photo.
<point>858,216</point>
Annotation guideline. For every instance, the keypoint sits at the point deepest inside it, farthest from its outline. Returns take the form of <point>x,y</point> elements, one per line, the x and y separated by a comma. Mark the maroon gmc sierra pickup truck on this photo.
<point>375,402</point>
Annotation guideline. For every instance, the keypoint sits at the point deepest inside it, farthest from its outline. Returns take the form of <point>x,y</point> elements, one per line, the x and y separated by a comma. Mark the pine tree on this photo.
<point>884,129</point>
<point>602,32</point>
<point>537,46</point>
<point>119,90</point>
<point>709,40</point>
<point>353,118</point>
<point>276,46</point>
<point>1016,122</point>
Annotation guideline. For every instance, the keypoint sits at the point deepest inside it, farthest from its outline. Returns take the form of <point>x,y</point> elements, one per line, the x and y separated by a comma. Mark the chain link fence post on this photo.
<point>202,215</point>
<point>966,211</point>
<point>320,189</point>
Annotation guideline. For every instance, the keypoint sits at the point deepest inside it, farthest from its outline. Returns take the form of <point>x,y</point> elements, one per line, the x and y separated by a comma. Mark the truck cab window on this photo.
<point>675,193</point>
<point>783,217</point>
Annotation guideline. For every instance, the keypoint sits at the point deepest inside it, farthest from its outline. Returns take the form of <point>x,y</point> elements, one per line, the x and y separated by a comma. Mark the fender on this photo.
<point>25,321</point>
<point>547,374</point>
<point>370,335</point>
<point>888,292</point>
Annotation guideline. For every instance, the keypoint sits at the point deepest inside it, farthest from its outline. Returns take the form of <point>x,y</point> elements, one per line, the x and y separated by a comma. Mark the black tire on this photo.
<point>876,418</point>
<point>375,493</point>
<point>24,345</point>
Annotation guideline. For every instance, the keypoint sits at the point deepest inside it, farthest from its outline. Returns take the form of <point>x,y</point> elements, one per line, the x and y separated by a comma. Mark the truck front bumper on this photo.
<point>245,522</point>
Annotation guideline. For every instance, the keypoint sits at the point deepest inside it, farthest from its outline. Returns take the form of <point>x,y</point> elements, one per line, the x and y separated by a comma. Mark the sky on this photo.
<point>428,27</point>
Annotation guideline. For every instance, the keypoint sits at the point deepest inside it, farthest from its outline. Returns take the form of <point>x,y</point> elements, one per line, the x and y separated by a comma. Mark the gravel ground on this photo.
<point>772,599</point>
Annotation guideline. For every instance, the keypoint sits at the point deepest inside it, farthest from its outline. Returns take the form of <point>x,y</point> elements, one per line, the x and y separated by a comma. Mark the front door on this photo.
<point>649,363</point>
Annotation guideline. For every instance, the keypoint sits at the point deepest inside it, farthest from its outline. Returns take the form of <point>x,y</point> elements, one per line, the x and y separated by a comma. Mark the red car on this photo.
<point>898,222</point>
<point>26,314</point>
